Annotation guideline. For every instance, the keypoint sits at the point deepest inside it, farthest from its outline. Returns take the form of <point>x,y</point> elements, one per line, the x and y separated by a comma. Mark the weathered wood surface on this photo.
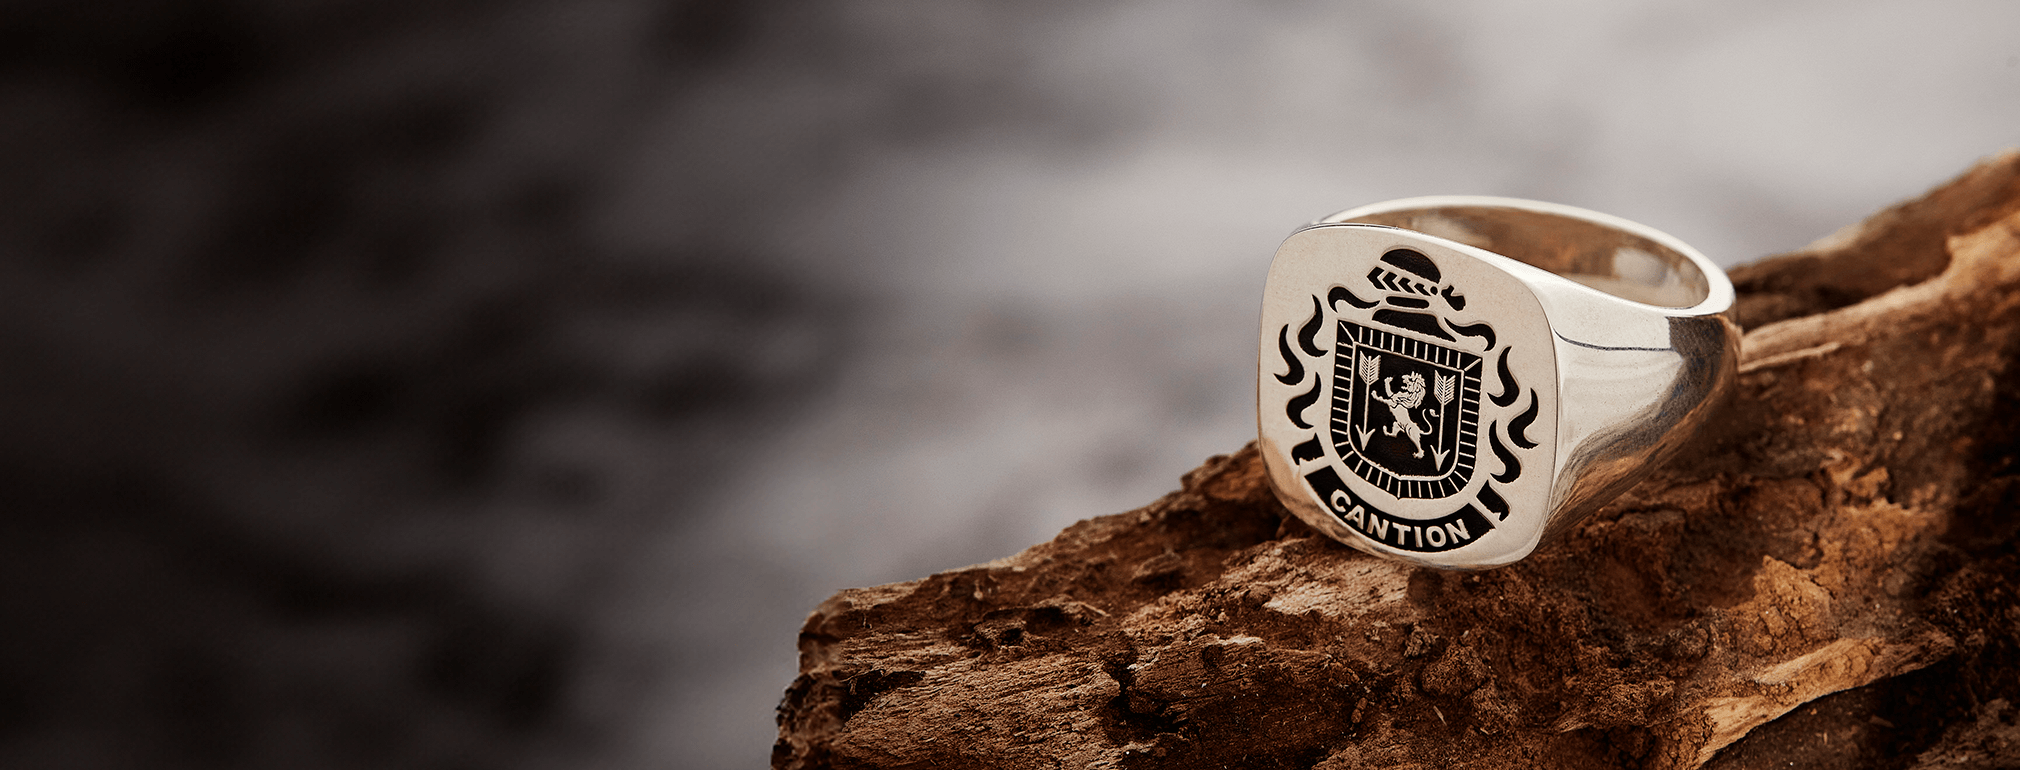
<point>1844,527</point>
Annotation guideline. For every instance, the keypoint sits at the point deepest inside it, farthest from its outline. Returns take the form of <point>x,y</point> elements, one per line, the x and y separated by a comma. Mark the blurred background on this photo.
<point>436,383</point>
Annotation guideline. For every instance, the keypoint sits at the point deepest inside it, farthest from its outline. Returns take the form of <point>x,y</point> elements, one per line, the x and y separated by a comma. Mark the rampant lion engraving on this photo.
<point>1400,403</point>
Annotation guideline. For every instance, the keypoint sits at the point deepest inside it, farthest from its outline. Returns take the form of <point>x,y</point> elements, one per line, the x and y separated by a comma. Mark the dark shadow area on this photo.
<point>293,298</point>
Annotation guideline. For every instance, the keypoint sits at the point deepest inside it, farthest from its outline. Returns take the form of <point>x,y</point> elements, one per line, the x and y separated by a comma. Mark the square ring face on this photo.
<point>1407,395</point>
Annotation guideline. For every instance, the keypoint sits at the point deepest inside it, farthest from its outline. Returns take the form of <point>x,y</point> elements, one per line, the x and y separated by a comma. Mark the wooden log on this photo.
<point>1845,524</point>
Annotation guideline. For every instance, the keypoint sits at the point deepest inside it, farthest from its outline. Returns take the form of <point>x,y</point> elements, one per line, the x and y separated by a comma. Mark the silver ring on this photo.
<point>1452,380</point>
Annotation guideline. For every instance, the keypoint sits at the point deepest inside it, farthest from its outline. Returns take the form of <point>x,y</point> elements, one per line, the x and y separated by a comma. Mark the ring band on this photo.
<point>1452,380</point>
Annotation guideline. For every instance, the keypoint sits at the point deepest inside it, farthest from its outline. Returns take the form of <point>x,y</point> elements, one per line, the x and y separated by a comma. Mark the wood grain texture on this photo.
<point>1830,559</point>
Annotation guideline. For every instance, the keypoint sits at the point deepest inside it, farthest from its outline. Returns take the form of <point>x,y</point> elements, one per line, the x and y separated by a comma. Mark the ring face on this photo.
<point>1407,395</point>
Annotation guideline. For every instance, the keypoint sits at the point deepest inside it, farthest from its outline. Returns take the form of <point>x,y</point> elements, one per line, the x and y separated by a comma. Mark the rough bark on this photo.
<point>1830,559</point>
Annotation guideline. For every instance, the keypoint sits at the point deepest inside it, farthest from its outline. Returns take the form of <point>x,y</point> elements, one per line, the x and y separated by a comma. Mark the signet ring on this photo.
<point>1453,380</point>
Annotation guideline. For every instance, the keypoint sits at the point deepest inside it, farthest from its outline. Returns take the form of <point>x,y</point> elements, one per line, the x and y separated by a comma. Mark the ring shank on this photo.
<point>1610,255</point>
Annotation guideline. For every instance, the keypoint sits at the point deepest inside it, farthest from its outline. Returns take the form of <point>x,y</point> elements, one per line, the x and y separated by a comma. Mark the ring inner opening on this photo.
<point>1613,261</point>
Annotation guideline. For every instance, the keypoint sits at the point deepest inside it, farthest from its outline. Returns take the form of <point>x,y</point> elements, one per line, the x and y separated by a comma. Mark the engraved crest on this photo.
<point>1405,397</point>
<point>1406,410</point>
<point>1406,413</point>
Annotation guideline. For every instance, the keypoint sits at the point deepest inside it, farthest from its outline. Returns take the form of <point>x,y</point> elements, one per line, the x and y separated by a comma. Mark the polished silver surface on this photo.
<point>1452,380</point>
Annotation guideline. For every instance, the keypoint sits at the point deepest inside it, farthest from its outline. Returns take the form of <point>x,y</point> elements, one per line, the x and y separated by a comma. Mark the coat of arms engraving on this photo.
<point>1405,392</point>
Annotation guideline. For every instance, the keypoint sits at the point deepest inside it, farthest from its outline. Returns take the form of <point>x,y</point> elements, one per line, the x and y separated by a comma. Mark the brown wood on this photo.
<point>1828,567</point>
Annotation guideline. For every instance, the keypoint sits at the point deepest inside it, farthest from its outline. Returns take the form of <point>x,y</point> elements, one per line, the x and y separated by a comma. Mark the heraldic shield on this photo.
<point>1405,412</point>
